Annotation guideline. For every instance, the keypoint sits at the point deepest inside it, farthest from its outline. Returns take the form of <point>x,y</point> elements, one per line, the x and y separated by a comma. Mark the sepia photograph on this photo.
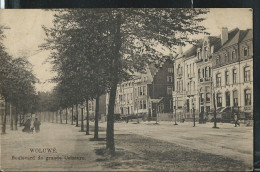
<point>127,89</point>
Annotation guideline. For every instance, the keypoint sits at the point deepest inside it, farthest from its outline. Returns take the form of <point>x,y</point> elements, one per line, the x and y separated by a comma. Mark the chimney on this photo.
<point>224,35</point>
<point>180,50</point>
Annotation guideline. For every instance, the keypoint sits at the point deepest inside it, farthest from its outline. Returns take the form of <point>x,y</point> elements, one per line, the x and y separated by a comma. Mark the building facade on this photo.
<point>147,93</point>
<point>221,65</point>
<point>233,72</point>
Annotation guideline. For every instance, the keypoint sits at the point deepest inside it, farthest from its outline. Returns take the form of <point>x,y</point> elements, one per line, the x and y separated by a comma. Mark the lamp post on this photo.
<point>193,111</point>
<point>215,112</point>
<point>175,111</point>
<point>137,110</point>
<point>82,117</point>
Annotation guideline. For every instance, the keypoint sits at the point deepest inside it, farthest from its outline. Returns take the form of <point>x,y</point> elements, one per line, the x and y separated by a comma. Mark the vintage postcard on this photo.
<point>126,89</point>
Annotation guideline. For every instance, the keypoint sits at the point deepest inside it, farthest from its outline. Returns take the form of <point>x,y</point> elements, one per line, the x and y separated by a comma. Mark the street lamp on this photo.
<point>193,111</point>
<point>137,110</point>
<point>175,110</point>
<point>82,117</point>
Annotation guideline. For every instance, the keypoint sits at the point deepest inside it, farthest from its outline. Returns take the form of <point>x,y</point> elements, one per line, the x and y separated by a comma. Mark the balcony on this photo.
<point>191,92</point>
<point>208,79</point>
<point>248,108</point>
<point>190,76</point>
<point>179,75</point>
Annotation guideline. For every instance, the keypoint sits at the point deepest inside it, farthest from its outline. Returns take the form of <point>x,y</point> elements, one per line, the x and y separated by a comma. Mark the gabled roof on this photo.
<point>193,50</point>
<point>236,36</point>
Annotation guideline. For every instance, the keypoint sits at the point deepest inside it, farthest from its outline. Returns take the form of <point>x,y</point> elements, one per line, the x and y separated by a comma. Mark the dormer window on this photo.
<point>199,54</point>
<point>245,51</point>
<point>218,60</point>
<point>233,55</point>
<point>226,57</point>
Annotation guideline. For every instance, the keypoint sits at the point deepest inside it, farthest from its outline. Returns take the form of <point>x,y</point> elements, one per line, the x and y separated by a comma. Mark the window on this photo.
<point>226,58</point>
<point>227,98</point>
<point>140,105</point>
<point>131,96</point>
<point>206,72</point>
<point>245,51</point>
<point>198,55</point>
<point>247,74</point>
<point>217,60</point>
<point>219,100</point>
<point>234,76</point>
<point>247,97</point>
<point>169,78</point>
<point>235,98</point>
<point>218,80</point>
<point>179,69</point>
<point>201,97</point>
<point>144,104</point>
<point>144,90</point>
<point>145,79</point>
<point>199,73</point>
<point>171,104</point>
<point>207,97</point>
<point>170,70</point>
<point>169,91</point>
<point>227,77</point>
<point>233,55</point>
<point>209,72</point>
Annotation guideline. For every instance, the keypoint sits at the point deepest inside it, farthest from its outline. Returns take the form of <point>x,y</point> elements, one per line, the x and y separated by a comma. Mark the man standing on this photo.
<point>36,125</point>
<point>236,120</point>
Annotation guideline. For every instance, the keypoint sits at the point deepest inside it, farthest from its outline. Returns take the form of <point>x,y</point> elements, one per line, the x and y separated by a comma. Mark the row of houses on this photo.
<point>217,66</point>
<point>147,93</point>
<point>220,67</point>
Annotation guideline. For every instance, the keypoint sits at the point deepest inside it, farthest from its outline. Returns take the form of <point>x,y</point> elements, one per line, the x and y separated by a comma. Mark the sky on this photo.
<point>26,34</point>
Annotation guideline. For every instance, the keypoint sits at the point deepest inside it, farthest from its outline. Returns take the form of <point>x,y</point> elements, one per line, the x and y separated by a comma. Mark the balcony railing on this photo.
<point>191,92</point>
<point>208,79</point>
<point>179,75</point>
<point>191,75</point>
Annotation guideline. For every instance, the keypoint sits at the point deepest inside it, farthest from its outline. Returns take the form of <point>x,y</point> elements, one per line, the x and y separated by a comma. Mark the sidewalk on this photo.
<point>70,144</point>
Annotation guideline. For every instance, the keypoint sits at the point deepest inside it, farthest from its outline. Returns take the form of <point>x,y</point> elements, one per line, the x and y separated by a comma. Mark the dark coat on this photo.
<point>27,126</point>
<point>36,125</point>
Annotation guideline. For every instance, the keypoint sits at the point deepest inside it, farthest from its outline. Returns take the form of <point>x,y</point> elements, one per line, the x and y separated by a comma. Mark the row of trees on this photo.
<point>16,85</point>
<point>93,50</point>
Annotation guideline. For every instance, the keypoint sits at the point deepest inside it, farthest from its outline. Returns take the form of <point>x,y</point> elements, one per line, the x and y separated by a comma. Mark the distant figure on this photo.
<point>236,120</point>
<point>36,125</point>
<point>27,126</point>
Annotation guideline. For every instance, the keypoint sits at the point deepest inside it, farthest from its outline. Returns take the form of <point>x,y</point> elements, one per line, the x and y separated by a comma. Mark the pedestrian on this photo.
<point>36,125</point>
<point>27,126</point>
<point>236,120</point>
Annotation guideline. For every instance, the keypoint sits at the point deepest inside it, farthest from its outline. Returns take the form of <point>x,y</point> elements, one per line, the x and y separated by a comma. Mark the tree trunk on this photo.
<point>77,116</point>
<point>66,115</point>
<point>20,120</point>
<point>215,111</point>
<point>72,115</point>
<point>82,119</point>
<point>96,119</point>
<point>110,145</point>
<point>57,116</point>
<point>60,116</point>
<point>16,118</point>
<point>87,125</point>
<point>11,118</point>
<point>4,119</point>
